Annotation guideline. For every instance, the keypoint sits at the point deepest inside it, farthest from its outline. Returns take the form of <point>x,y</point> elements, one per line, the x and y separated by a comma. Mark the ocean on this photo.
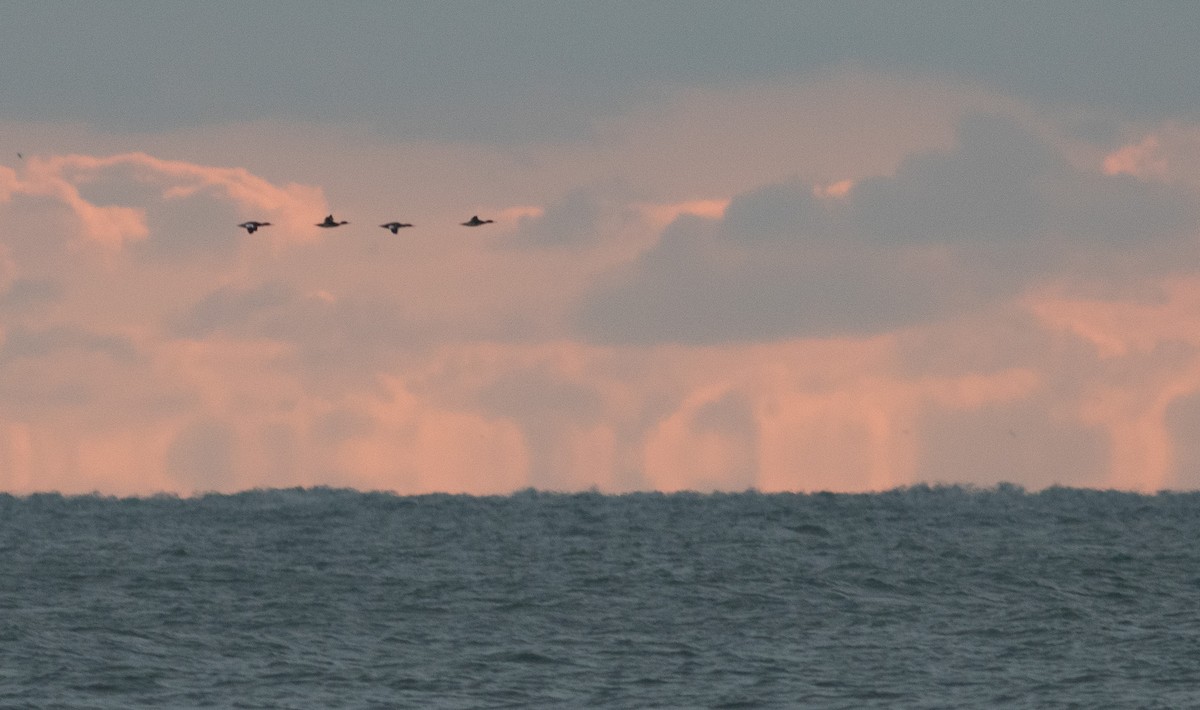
<point>925,597</point>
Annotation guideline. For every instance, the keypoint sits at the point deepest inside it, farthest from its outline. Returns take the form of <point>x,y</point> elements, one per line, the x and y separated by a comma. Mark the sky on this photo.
<point>821,246</point>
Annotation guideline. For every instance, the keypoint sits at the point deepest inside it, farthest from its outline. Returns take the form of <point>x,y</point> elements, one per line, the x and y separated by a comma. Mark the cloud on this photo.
<point>582,217</point>
<point>985,189</point>
<point>822,331</point>
<point>1138,377</point>
<point>312,320</point>
<point>69,387</point>
<point>25,294</point>
<point>949,232</point>
<point>697,287</point>
<point>249,313</point>
<point>555,415</point>
<point>65,178</point>
<point>710,443</point>
<point>1169,153</point>
<point>37,344</point>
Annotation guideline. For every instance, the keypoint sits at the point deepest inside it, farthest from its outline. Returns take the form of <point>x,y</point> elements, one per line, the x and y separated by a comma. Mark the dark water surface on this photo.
<point>924,597</point>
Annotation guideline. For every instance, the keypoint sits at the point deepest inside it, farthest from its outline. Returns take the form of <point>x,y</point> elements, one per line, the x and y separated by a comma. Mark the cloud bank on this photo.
<point>949,232</point>
<point>999,298</point>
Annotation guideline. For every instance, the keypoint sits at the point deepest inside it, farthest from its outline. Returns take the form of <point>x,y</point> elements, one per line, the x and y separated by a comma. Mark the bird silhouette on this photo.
<point>252,226</point>
<point>330,223</point>
<point>395,226</point>
<point>475,222</point>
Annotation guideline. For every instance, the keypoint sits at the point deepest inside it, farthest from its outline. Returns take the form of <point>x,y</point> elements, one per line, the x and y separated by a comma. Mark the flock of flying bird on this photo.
<point>252,226</point>
<point>395,227</point>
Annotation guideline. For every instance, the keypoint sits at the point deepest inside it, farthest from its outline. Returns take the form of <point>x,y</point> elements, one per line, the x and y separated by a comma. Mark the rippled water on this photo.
<point>923,597</point>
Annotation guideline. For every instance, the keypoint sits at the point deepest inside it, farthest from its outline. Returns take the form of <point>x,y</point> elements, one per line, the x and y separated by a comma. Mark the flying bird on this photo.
<point>251,227</point>
<point>475,222</point>
<point>330,223</point>
<point>395,226</point>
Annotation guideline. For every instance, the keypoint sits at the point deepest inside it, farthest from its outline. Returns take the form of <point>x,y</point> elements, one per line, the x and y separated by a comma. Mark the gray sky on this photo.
<point>536,71</point>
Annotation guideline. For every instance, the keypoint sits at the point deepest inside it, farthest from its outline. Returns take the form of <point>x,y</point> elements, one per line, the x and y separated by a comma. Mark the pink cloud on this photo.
<point>839,415</point>
<point>418,447</point>
<point>834,190</point>
<point>1169,153</point>
<point>1143,160</point>
<point>1120,327</point>
<point>8,183</point>
<point>1148,358</point>
<point>438,361</point>
<point>660,215</point>
<point>291,206</point>
<point>824,415</point>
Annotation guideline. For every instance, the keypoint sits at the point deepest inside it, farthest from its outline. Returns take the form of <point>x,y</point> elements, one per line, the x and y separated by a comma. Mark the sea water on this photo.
<point>917,598</point>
